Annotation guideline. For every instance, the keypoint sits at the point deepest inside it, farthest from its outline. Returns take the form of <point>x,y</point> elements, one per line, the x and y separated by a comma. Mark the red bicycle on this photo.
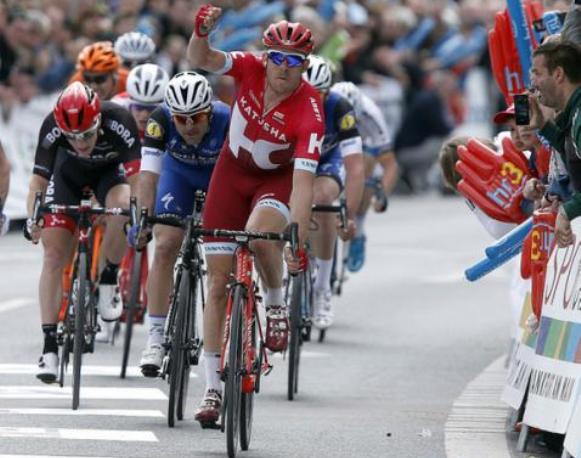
<point>241,364</point>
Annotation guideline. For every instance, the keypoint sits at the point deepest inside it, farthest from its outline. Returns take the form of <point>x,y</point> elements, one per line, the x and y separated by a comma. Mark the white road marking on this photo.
<point>79,434</point>
<point>109,371</point>
<point>83,412</point>
<point>12,304</point>
<point>476,425</point>
<point>304,354</point>
<point>49,456</point>
<point>88,392</point>
<point>20,257</point>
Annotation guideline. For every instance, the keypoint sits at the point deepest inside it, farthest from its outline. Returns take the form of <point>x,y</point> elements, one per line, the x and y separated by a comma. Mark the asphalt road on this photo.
<point>410,335</point>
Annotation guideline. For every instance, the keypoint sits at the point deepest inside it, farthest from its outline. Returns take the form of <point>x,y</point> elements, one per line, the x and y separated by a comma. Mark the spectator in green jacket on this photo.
<point>556,79</point>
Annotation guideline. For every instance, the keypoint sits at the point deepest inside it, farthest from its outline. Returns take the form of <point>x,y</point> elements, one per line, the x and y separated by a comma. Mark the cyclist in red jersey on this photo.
<point>264,176</point>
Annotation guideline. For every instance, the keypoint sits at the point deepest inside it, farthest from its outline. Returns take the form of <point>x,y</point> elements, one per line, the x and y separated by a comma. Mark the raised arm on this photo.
<point>200,54</point>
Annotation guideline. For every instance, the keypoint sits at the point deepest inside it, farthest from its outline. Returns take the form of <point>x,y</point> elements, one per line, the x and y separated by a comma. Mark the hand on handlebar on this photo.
<point>137,240</point>
<point>296,263</point>
<point>347,233</point>
<point>32,230</point>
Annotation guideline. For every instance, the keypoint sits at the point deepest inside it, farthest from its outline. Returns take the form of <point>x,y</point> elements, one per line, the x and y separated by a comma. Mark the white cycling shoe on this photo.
<point>105,334</point>
<point>151,360</point>
<point>48,366</point>
<point>110,304</point>
<point>323,309</point>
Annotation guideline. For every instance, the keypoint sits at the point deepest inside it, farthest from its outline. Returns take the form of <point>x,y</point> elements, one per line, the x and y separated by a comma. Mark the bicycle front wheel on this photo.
<point>234,373</point>
<point>80,315</point>
<point>134,295</point>
<point>247,397</point>
<point>297,298</point>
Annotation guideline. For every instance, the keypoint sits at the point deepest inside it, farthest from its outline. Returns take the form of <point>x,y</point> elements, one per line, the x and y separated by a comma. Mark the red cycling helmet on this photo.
<point>289,36</point>
<point>78,109</point>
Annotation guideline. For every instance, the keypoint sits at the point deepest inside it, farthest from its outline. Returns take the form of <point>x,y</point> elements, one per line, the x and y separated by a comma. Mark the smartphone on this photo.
<point>521,109</point>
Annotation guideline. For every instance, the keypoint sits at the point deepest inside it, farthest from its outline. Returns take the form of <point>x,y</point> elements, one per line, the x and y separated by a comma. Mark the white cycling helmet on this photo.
<point>146,84</point>
<point>319,74</point>
<point>134,47</point>
<point>352,93</point>
<point>188,93</point>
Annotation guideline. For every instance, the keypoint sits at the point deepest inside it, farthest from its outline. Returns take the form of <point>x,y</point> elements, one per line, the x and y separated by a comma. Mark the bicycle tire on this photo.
<point>176,360</point>
<point>295,335</point>
<point>79,339</point>
<point>233,375</point>
<point>64,362</point>
<point>247,405</point>
<point>188,324</point>
<point>134,294</point>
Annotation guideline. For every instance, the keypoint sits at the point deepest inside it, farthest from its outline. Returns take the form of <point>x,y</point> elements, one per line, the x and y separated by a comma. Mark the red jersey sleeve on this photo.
<point>240,64</point>
<point>310,135</point>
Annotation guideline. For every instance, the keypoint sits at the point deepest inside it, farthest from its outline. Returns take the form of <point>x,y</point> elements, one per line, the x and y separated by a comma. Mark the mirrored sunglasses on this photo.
<point>292,60</point>
<point>96,79</point>
<point>200,116</point>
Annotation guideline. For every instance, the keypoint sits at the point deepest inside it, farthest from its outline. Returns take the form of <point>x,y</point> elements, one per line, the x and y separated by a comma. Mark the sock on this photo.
<point>274,296</point>
<point>360,221</point>
<point>109,274</point>
<point>156,328</point>
<point>323,278</point>
<point>50,344</point>
<point>212,366</point>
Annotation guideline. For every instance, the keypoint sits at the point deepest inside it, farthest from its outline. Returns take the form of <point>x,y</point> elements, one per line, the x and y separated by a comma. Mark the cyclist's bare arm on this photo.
<point>37,183</point>
<point>390,171</point>
<point>301,200</point>
<point>133,181</point>
<point>354,183</point>
<point>4,175</point>
<point>200,54</point>
<point>147,189</point>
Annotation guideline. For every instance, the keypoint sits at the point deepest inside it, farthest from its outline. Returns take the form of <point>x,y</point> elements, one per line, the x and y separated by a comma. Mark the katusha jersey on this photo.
<point>292,131</point>
<point>161,137</point>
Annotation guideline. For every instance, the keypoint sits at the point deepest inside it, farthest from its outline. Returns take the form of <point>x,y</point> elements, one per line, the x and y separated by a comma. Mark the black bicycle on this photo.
<point>299,295</point>
<point>183,343</point>
<point>79,327</point>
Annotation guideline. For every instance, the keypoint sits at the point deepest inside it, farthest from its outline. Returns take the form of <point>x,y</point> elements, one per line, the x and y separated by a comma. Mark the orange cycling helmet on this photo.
<point>289,36</point>
<point>99,57</point>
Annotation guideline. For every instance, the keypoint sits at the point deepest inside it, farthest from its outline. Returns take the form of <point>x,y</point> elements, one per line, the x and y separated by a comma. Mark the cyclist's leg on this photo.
<point>326,190</point>
<point>112,190</point>
<point>227,207</point>
<point>57,241</point>
<point>175,197</point>
<point>270,213</point>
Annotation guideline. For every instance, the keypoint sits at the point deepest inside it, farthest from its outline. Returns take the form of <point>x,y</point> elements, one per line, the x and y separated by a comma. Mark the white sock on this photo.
<point>323,279</point>
<point>212,367</point>
<point>156,328</point>
<point>274,296</point>
<point>360,221</point>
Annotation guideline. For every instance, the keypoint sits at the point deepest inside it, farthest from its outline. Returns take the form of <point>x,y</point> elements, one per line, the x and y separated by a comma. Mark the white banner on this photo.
<point>557,366</point>
<point>19,136</point>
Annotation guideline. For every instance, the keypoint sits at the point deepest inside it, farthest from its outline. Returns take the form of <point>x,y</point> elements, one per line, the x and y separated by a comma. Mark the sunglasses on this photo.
<point>95,79</point>
<point>292,60</point>
<point>82,136</point>
<point>141,107</point>
<point>195,118</point>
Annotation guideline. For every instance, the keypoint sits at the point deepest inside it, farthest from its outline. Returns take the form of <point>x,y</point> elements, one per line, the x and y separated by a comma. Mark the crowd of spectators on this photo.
<point>411,56</point>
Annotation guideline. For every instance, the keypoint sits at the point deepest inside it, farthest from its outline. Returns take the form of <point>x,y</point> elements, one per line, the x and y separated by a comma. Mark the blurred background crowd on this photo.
<point>413,57</point>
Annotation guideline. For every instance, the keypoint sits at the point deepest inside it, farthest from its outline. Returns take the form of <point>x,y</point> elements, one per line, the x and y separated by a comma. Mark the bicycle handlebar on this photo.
<point>341,209</point>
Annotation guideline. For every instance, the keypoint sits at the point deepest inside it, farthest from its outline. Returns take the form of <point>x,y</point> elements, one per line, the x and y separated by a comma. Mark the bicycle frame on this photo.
<point>243,277</point>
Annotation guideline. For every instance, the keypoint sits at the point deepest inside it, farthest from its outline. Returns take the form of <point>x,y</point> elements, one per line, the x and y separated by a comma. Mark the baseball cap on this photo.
<point>503,116</point>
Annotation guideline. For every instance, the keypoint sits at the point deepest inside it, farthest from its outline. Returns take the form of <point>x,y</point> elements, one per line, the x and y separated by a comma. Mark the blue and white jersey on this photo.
<point>162,138</point>
<point>340,127</point>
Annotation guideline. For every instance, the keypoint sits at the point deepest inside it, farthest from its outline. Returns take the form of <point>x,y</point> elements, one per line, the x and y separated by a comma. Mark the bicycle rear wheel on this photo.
<point>234,373</point>
<point>297,297</point>
<point>134,295</point>
<point>79,339</point>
